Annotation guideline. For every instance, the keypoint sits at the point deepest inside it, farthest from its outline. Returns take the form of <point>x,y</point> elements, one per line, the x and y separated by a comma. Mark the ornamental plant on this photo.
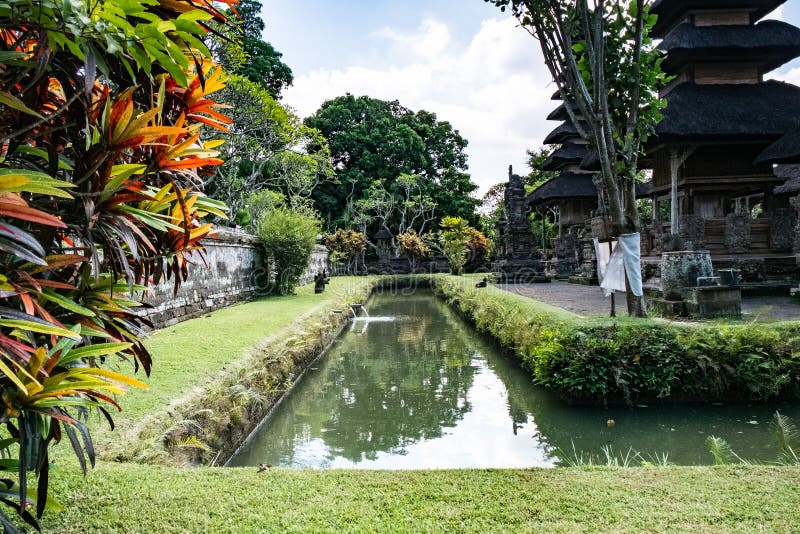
<point>413,247</point>
<point>345,246</point>
<point>454,242</point>
<point>102,161</point>
<point>289,236</point>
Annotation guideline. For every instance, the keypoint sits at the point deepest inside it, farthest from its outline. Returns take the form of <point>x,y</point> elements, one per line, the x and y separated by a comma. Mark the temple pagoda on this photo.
<point>709,173</point>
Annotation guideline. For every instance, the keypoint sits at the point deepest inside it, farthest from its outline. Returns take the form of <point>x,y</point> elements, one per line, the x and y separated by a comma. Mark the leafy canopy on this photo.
<point>373,139</point>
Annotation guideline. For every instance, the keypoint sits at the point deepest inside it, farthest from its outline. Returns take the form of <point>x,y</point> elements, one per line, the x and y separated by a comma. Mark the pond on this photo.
<point>415,387</point>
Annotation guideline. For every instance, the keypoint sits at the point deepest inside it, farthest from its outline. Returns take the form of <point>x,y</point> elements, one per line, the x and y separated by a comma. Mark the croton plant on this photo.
<point>104,114</point>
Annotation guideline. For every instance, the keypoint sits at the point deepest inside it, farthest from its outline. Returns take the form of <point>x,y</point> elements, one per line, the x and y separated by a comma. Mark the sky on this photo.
<point>463,60</point>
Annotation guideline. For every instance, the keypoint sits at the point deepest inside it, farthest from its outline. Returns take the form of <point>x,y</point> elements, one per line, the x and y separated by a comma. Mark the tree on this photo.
<point>372,139</point>
<point>289,236</point>
<point>478,247</point>
<point>242,51</point>
<point>346,246</point>
<point>601,57</point>
<point>267,147</point>
<point>537,177</point>
<point>105,115</point>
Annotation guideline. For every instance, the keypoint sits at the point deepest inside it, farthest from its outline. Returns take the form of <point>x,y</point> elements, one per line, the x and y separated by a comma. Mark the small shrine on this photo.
<point>518,261</point>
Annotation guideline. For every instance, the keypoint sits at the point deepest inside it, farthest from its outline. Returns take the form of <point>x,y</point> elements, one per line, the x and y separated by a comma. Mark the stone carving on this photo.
<point>680,270</point>
<point>518,259</point>
<point>782,224</point>
<point>693,231</point>
<point>737,232</point>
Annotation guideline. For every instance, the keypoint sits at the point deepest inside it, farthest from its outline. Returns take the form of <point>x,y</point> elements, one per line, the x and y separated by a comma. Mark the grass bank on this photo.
<point>607,360</point>
<point>153,499</point>
<point>214,377</point>
<point>700,499</point>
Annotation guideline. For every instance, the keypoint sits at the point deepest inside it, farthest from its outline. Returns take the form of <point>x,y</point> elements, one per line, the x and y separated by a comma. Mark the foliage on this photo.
<point>536,177</point>
<point>101,110</point>
<point>634,360</point>
<point>242,51</point>
<point>408,207</point>
<point>289,236</point>
<point>478,246</point>
<point>267,147</point>
<point>454,242</point>
<point>372,139</point>
<point>345,245</point>
<point>413,247</point>
<point>259,204</point>
<point>542,228</point>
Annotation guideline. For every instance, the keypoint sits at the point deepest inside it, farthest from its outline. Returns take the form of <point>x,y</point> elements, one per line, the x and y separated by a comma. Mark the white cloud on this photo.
<point>776,15</point>
<point>495,90</point>
<point>791,76</point>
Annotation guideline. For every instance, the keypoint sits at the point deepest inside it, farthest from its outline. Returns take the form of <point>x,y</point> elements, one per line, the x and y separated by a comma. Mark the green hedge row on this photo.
<point>635,360</point>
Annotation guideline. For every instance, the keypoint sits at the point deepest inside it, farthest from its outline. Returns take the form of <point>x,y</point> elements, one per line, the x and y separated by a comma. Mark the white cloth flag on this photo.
<point>631,248</point>
<point>624,257</point>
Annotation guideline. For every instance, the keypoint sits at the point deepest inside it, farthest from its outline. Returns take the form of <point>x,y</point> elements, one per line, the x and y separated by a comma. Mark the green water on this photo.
<point>417,388</point>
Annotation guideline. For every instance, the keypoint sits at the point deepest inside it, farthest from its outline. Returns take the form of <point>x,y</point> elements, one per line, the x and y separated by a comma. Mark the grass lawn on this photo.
<point>136,498</point>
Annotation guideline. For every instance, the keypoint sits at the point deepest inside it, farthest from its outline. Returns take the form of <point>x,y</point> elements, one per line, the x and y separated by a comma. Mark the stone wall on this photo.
<point>317,263</point>
<point>234,271</point>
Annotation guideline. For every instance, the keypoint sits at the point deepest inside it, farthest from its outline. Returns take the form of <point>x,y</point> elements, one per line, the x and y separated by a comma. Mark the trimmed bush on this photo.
<point>633,360</point>
<point>289,237</point>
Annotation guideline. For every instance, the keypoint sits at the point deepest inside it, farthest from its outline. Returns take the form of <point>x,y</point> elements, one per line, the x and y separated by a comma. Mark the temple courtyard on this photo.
<point>589,300</point>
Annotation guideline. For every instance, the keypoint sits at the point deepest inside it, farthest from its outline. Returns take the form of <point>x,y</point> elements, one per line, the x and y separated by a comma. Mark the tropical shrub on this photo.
<point>454,242</point>
<point>412,247</point>
<point>592,360</point>
<point>345,246</point>
<point>478,245</point>
<point>101,168</point>
<point>289,237</point>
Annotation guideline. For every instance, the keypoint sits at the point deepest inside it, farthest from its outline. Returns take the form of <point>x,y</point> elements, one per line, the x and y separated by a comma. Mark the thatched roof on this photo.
<point>672,11</point>
<point>792,175</point>
<point>591,161</point>
<point>573,185</point>
<point>784,150</point>
<point>565,132</point>
<point>770,44</point>
<point>567,154</point>
<point>565,185</point>
<point>559,114</point>
<point>719,113</point>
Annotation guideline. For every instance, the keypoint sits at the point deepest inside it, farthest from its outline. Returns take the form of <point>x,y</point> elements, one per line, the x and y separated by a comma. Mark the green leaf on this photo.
<point>39,328</point>
<point>13,102</point>
<point>93,351</point>
<point>66,303</point>
<point>63,163</point>
<point>19,180</point>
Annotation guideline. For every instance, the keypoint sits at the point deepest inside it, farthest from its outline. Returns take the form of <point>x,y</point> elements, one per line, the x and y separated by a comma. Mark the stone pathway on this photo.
<point>589,300</point>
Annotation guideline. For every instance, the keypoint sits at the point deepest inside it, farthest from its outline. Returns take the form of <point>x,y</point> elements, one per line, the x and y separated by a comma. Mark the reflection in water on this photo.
<point>422,390</point>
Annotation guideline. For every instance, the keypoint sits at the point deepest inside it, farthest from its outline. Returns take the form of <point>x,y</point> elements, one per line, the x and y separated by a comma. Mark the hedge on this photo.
<point>627,359</point>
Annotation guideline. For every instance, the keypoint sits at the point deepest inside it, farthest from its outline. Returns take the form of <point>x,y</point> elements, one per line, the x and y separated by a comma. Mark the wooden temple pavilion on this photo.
<point>710,157</point>
<point>568,198</point>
